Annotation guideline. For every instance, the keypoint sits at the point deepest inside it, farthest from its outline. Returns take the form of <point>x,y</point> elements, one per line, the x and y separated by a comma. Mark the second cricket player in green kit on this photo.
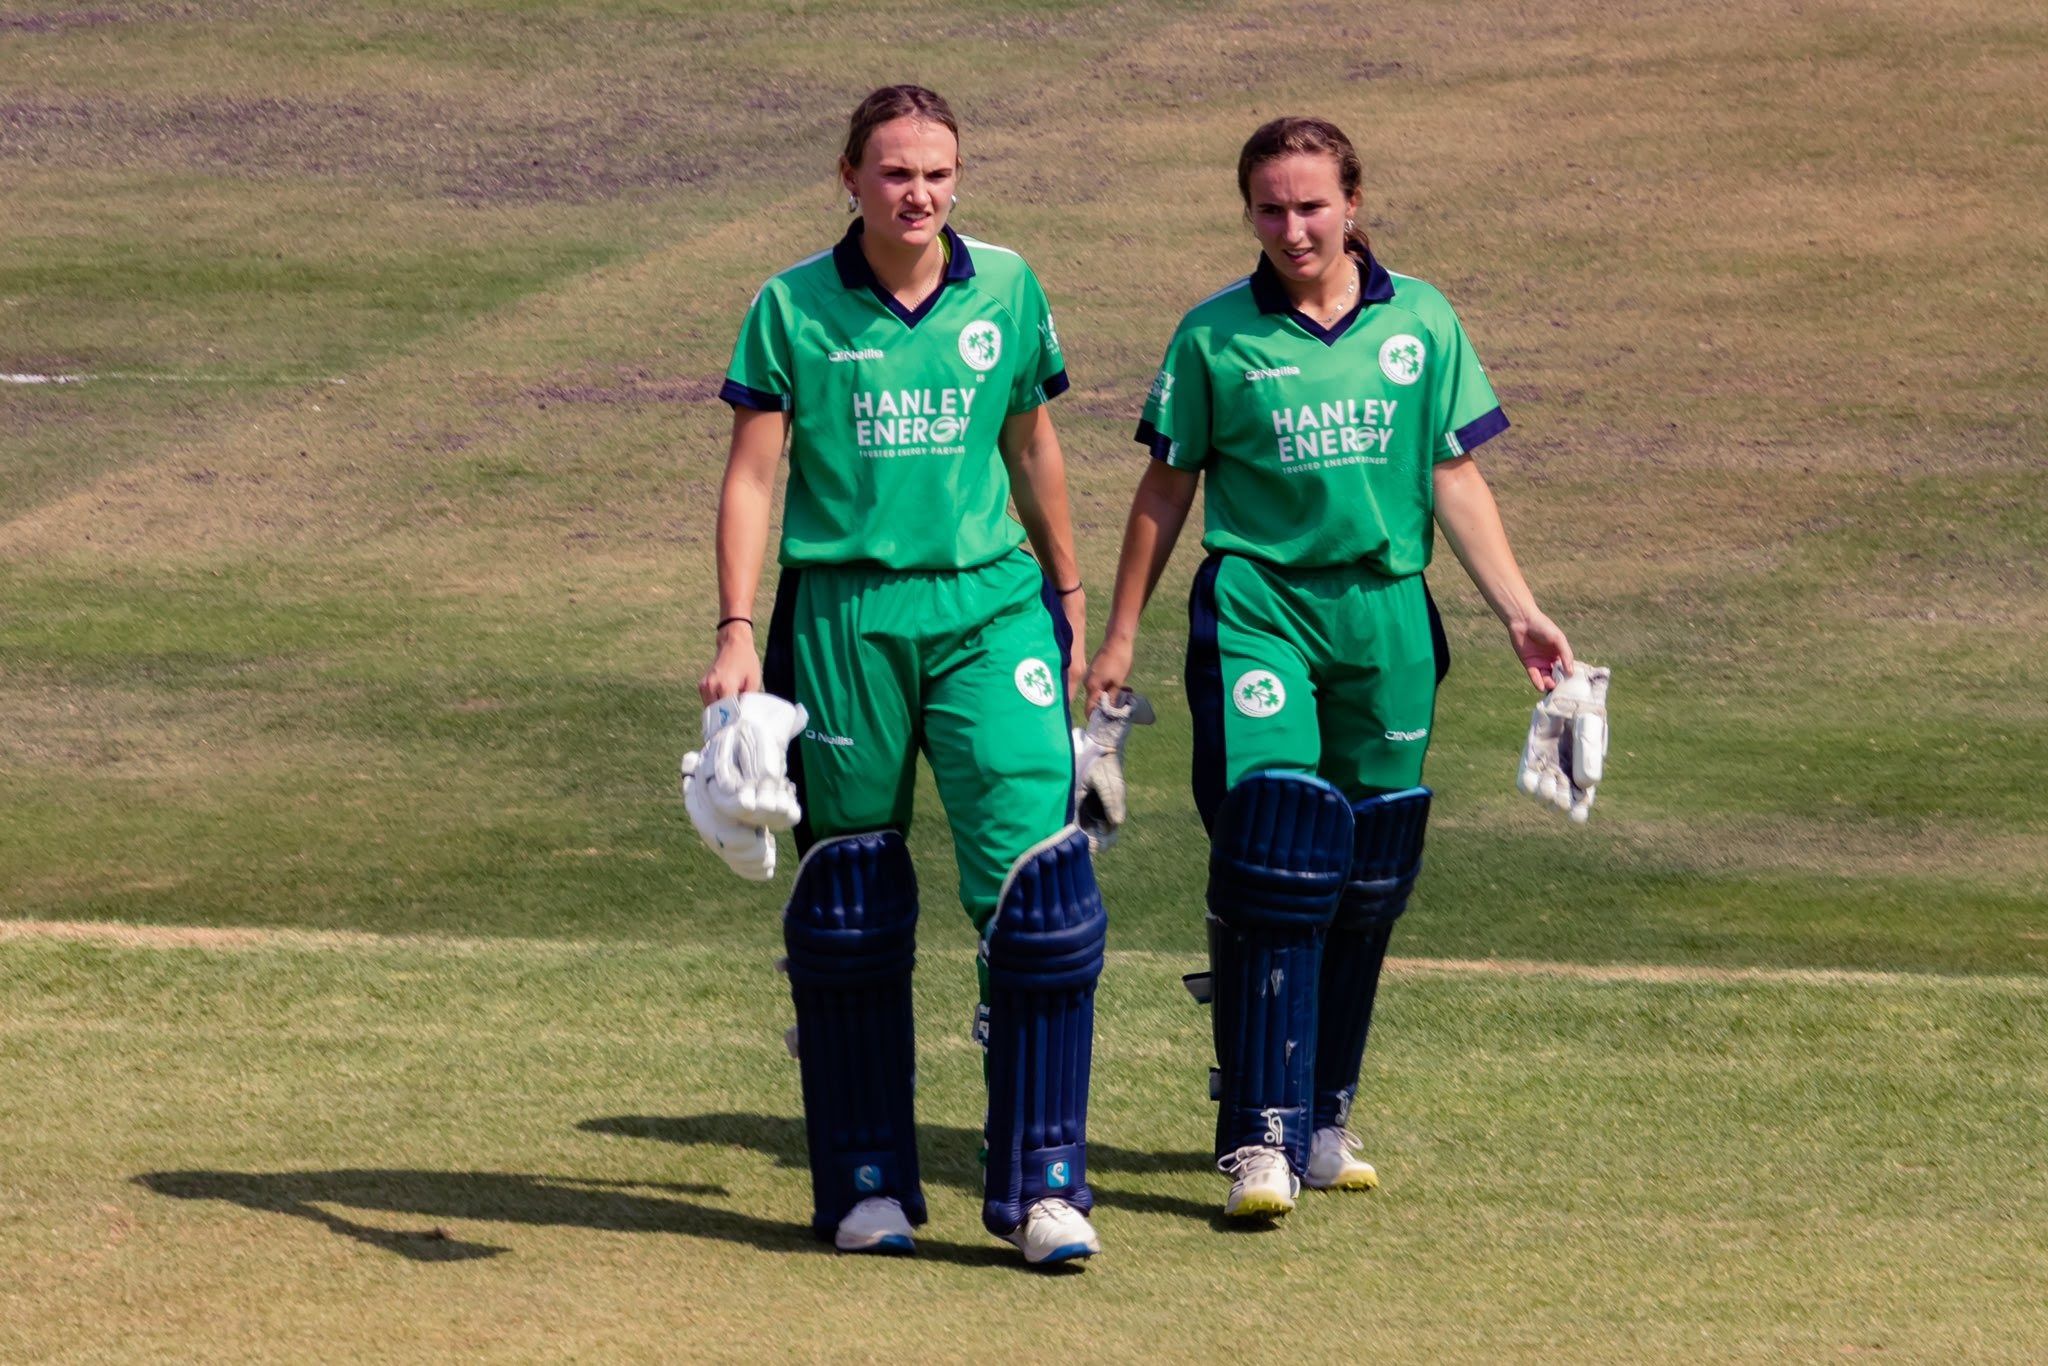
<point>908,370</point>
<point>1332,406</point>
<point>1320,448</point>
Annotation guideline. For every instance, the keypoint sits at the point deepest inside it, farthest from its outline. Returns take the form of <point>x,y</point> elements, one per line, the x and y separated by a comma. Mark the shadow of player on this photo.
<point>947,1156</point>
<point>622,1206</point>
<point>504,1197</point>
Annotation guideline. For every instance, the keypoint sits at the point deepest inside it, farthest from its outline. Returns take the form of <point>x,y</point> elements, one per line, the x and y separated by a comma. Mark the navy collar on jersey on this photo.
<point>856,273</point>
<point>1270,293</point>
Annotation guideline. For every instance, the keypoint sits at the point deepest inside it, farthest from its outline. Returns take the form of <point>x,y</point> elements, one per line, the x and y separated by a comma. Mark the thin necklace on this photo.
<point>918,289</point>
<point>1336,310</point>
<point>922,291</point>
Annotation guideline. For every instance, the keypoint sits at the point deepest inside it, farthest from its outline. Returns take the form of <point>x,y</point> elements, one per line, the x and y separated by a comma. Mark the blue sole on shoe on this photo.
<point>894,1245</point>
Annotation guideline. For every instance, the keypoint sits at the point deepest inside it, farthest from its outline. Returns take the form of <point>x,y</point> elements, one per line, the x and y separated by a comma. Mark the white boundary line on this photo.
<point>235,939</point>
<point>141,377</point>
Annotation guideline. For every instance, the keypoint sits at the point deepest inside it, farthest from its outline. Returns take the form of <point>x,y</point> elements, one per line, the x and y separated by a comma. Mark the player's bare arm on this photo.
<point>744,500</point>
<point>1471,523</point>
<point>1038,484</point>
<point>1158,512</point>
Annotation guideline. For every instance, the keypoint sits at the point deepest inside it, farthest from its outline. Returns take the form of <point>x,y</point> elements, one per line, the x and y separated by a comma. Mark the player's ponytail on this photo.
<point>1294,136</point>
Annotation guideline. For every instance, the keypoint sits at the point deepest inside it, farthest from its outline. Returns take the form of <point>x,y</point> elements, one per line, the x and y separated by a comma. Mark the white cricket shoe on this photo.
<point>876,1224</point>
<point>1262,1186</point>
<point>1334,1166</point>
<point>1054,1231</point>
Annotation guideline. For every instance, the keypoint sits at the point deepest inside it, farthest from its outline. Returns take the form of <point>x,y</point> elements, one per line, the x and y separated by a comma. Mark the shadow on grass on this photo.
<point>502,1197</point>
<point>506,1197</point>
<point>625,1206</point>
<point>948,1156</point>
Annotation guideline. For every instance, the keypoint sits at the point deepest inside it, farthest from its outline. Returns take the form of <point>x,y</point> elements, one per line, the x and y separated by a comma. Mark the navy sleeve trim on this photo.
<point>746,396</point>
<point>1055,385</point>
<point>1479,431</point>
<point>1155,441</point>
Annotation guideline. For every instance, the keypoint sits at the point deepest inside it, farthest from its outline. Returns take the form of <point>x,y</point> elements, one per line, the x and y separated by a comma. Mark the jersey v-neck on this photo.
<point>856,273</point>
<point>1271,294</point>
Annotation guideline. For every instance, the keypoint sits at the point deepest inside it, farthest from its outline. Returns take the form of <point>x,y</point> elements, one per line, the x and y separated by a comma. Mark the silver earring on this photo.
<point>853,203</point>
<point>955,203</point>
<point>1350,225</point>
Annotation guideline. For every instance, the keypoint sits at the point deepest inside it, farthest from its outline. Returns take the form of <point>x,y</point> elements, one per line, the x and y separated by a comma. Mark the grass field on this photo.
<point>350,612</point>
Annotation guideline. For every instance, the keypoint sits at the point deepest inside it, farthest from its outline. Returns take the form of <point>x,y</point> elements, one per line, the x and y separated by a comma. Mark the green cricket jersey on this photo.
<point>1319,442</point>
<point>895,413</point>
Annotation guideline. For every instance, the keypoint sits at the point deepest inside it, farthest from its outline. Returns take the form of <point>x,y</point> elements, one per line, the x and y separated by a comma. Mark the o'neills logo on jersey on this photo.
<point>896,422</point>
<point>1277,372</point>
<point>1353,431</point>
<point>865,353</point>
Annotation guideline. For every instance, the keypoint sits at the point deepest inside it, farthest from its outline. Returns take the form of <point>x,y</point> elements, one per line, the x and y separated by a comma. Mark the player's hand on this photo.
<point>1100,803</point>
<point>1540,645</point>
<point>748,850</point>
<point>746,751</point>
<point>1075,604</point>
<point>735,668</point>
<point>1108,672</point>
<point>1564,757</point>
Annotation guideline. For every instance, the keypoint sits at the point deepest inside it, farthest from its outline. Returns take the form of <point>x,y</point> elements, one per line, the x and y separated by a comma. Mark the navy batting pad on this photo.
<point>1386,858</point>
<point>851,930</point>
<point>1279,852</point>
<point>1043,947</point>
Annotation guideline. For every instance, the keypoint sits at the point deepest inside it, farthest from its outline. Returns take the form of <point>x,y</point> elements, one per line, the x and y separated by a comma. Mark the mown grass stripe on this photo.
<point>235,939</point>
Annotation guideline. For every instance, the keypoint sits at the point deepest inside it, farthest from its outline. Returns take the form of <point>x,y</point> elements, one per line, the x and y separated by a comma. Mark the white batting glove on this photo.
<point>1565,754</point>
<point>748,850</point>
<point>746,756</point>
<point>1100,801</point>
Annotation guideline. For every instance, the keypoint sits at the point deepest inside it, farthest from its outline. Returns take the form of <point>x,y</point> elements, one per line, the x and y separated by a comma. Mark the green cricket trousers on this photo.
<point>967,665</point>
<point>1331,671</point>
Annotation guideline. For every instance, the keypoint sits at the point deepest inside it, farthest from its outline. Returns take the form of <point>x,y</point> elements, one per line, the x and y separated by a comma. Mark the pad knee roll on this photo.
<point>1386,859</point>
<point>1386,856</point>
<point>1280,850</point>
<point>1043,948</point>
<point>851,931</point>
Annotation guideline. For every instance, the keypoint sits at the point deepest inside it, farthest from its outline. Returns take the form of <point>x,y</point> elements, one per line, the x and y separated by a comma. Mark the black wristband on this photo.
<point>1067,592</point>
<point>727,621</point>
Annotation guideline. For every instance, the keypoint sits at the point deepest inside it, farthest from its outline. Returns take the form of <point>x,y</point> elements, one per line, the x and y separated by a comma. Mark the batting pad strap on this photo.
<point>850,928</point>
<point>1280,850</point>
<point>1386,855</point>
<point>1043,949</point>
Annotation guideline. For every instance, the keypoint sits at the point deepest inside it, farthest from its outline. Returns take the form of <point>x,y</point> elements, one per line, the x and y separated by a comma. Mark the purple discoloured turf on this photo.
<point>409,143</point>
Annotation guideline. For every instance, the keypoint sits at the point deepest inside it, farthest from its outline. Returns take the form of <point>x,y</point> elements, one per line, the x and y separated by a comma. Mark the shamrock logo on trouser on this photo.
<point>1035,681</point>
<point>1258,693</point>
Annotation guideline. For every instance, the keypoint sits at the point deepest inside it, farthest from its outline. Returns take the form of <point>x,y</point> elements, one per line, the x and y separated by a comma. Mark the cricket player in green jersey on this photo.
<point>1333,407</point>
<point>907,370</point>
